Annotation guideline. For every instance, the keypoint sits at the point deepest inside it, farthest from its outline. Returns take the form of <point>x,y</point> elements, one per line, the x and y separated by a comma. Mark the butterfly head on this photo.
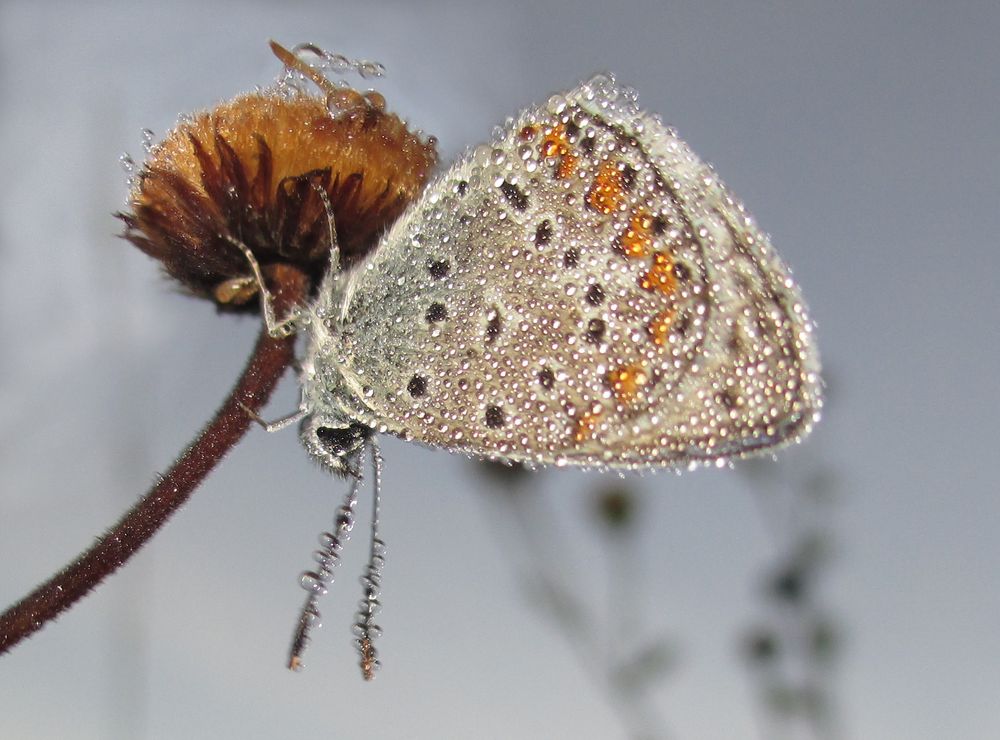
<point>334,443</point>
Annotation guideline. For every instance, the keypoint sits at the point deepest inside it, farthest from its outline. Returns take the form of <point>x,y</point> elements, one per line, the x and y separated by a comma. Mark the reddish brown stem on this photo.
<point>270,359</point>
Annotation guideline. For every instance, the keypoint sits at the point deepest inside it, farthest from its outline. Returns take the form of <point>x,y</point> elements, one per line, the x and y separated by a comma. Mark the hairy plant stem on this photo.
<point>270,358</point>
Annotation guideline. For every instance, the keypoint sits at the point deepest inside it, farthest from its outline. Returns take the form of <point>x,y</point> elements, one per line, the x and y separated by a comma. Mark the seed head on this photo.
<point>255,170</point>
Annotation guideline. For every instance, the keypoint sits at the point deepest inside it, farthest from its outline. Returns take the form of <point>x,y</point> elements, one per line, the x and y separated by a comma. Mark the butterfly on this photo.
<point>582,290</point>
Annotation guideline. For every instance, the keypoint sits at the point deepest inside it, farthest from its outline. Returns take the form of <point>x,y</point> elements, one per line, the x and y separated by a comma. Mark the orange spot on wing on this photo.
<point>567,166</point>
<point>608,189</point>
<point>556,144</point>
<point>659,327</point>
<point>586,425</point>
<point>626,382</point>
<point>661,275</point>
<point>638,237</point>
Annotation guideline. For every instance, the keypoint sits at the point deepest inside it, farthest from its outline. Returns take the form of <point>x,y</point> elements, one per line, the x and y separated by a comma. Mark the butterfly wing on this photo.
<point>581,290</point>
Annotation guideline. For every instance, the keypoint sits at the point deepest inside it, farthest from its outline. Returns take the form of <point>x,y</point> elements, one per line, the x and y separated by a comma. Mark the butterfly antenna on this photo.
<point>365,629</point>
<point>317,581</point>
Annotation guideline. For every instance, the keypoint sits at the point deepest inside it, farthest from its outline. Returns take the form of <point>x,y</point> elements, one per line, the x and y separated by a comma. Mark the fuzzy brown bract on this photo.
<point>251,170</point>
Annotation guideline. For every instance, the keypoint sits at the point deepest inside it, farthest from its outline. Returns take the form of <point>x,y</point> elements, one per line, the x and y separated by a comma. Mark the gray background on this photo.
<point>863,136</point>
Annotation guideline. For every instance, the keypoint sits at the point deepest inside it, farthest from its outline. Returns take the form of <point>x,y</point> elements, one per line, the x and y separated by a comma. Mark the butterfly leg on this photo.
<point>331,224</point>
<point>278,424</point>
<point>275,328</point>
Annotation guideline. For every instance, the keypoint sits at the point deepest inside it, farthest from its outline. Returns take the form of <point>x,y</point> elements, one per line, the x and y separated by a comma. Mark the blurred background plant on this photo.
<point>613,641</point>
<point>790,651</point>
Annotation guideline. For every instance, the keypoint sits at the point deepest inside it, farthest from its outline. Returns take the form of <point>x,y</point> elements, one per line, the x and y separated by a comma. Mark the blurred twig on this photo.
<point>792,649</point>
<point>626,669</point>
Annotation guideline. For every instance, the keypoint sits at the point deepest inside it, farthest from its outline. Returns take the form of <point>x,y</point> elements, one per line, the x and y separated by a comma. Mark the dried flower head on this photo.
<point>264,169</point>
